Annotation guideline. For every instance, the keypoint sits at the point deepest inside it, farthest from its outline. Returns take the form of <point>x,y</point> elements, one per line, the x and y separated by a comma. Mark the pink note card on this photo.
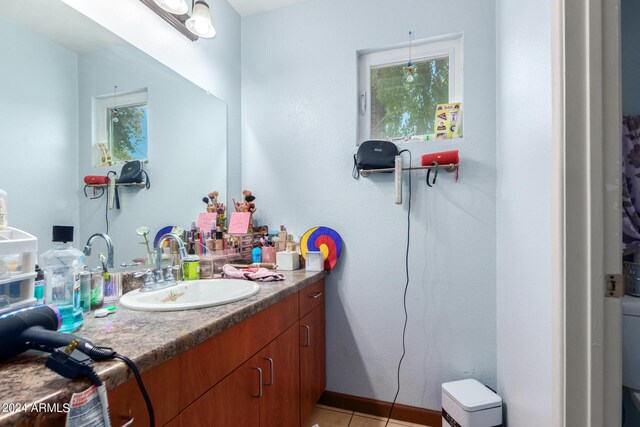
<point>239,222</point>
<point>205,220</point>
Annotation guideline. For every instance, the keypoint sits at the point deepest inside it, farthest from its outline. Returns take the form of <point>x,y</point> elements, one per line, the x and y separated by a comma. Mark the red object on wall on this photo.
<point>96,180</point>
<point>442,158</point>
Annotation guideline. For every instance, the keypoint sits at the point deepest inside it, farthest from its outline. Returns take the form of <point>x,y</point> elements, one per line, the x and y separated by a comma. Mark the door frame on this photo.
<point>586,219</point>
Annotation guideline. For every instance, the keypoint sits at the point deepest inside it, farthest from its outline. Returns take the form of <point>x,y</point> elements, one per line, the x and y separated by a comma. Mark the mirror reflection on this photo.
<point>100,103</point>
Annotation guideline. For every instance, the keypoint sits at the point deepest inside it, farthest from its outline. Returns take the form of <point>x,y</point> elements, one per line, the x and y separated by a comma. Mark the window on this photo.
<point>120,137</point>
<point>395,108</point>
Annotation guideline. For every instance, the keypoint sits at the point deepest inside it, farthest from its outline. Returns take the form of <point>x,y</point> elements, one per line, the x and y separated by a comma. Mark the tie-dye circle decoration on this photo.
<point>325,240</point>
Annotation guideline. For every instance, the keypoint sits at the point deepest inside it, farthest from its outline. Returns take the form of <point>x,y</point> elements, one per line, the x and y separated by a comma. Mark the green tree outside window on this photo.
<point>399,107</point>
<point>128,136</point>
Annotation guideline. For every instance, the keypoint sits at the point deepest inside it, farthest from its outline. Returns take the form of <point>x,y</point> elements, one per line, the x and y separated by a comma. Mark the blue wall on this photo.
<point>299,84</point>
<point>39,138</point>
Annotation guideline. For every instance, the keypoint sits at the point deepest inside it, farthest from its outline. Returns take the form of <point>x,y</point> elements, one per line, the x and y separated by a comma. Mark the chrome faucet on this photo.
<point>155,279</point>
<point>182,250</point>
<point>168,279</point>
<point>89,244</point>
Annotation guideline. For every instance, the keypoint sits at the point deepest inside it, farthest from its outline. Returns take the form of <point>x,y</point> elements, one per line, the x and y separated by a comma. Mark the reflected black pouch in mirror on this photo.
<point>133,173</point>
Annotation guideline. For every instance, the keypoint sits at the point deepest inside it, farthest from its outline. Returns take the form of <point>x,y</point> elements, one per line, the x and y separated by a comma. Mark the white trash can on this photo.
<point>468,403</point>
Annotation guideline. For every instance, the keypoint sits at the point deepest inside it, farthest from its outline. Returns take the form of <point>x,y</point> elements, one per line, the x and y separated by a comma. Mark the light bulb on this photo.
<point>201,26</point>
<point>200,21</point>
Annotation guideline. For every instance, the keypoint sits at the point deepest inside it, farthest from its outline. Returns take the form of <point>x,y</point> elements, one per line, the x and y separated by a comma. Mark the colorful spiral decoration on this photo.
<point>325,240</point>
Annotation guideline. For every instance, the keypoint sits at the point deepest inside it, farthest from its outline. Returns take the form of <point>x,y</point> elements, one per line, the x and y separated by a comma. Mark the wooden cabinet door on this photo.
<point>233,402</point>
<point>312,360</point>
<point>280,403</point>
<point>126,402</point>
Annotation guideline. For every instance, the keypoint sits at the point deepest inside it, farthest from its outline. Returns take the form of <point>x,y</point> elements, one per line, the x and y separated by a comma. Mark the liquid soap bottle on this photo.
<point>62,267</point>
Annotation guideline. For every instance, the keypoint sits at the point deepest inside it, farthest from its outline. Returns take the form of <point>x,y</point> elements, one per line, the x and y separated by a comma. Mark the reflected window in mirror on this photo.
<point>120,133</point>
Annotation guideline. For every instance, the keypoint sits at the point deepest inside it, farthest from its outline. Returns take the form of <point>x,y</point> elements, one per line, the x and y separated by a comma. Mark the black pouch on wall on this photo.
<point>374,155</point>
<point>132,172</point>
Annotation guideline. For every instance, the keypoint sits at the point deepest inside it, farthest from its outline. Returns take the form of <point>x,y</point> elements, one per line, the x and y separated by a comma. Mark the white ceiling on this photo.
<point>60,23</point>
<point>249,7</point>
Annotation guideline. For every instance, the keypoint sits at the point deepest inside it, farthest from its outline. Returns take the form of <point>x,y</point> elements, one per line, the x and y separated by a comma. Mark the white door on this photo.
<point>587,110</point>
<point>612,221</point>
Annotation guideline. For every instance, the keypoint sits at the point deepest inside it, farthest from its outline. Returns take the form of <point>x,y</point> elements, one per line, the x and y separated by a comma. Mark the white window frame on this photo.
<point>101,106</point>
<point>449,46</point>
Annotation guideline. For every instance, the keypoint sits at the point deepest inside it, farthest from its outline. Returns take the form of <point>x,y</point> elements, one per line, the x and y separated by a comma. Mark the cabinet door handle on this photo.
<point>270,360</point>
<point>316,295</point>
<point>308,343</point>
<point>259,395</point>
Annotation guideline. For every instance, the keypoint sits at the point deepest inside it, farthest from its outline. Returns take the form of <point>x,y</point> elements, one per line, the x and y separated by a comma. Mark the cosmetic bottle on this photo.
<point>256,254</point>
<point>191,267</point>
<point>38,286</point>
<point>282,239</point>
<point>211,245</point>
<point>219,241</point>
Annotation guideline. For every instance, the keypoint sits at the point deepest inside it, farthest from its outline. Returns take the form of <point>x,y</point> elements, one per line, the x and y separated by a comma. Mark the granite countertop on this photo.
<point>148,338</point>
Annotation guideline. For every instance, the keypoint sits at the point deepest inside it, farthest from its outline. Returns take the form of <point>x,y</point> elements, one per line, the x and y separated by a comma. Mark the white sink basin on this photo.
<point>190,295</point>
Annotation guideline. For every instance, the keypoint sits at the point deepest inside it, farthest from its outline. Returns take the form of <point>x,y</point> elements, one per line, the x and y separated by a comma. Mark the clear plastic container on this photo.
<point>62,266</point>
<point>18,251</point>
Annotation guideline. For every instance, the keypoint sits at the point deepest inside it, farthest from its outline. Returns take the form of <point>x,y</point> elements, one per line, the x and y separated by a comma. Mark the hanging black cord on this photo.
<point>404,300</point>
<point>94,197</point>
<point>356,172</point>
<point>435,175</point>
<point>143,390</point>
<point>147,181</point>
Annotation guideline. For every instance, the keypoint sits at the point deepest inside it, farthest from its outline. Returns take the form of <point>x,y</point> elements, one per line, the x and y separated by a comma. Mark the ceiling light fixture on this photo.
<point>176,13</point>
<point>177,7</point>
<point>200,21</point>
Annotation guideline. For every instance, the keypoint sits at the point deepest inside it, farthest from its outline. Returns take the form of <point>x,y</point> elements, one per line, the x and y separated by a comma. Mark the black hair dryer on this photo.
<point>36,328</point>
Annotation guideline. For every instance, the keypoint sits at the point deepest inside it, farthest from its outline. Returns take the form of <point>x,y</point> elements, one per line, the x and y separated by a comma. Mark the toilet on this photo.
<point>631,347</point>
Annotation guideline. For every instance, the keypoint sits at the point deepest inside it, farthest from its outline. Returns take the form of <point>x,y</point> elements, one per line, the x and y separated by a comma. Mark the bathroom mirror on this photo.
<point>61,76</point>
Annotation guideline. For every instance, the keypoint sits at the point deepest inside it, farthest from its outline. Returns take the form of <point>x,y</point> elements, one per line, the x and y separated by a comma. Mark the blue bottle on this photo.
<point>256,254</point>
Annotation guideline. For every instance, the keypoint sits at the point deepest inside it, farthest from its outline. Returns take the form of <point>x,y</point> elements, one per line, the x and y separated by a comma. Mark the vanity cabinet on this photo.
<point>126,403</point>
<point>280,401</point>
<point>264,391</point>
<point>312,347</point>
<point>230,403</point>
<point>268,370</point>
<point>312,360</point>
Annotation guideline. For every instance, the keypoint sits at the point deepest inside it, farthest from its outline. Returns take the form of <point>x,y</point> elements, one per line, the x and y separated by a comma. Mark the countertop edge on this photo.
<point>114,373</point>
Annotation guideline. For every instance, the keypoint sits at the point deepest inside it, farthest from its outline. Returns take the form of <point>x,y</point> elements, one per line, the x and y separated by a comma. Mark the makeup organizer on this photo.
<point>18,251</point>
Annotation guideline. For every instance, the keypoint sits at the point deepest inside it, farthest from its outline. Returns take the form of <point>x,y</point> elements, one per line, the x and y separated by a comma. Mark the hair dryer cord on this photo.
<point>143,390</point>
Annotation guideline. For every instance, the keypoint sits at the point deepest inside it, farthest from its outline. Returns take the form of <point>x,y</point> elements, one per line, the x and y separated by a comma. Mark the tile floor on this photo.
<point>326,416</point>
